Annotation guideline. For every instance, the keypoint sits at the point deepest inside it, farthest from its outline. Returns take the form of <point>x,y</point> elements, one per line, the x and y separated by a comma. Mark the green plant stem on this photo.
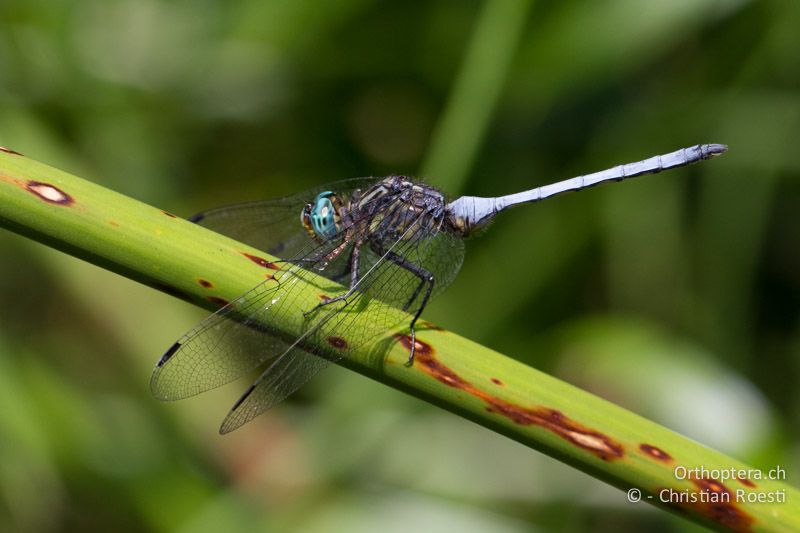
<point>171,254</point>
<point>475,92</point>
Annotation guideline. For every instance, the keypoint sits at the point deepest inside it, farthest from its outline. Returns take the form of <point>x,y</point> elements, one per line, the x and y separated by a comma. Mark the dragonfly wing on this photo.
<point>272,225</point>
<point>233,341</point>
<point>240,337</point>
<point>335,333</point>
<point>217,351</point>
<point>435,253</point>
<point>285,375</point>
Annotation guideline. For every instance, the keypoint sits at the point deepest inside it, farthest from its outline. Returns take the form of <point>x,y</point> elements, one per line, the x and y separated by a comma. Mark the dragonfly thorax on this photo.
<point>397,208</point>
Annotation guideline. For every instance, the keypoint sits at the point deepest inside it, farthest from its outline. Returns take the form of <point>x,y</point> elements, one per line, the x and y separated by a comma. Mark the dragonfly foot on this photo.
<point>413,348</point>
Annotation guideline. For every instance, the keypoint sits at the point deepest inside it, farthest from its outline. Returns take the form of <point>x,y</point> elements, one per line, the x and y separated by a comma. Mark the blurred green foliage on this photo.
<point>676,295</point>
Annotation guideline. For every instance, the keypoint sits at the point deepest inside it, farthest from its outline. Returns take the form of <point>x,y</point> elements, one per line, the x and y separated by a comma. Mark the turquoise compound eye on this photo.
<point>324,215</point>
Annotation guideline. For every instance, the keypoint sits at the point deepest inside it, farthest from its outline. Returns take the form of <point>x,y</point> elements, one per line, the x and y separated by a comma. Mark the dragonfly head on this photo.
<point>322,219</point>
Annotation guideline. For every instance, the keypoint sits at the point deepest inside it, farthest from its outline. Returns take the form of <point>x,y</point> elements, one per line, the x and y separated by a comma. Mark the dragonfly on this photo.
<point>392,240</point>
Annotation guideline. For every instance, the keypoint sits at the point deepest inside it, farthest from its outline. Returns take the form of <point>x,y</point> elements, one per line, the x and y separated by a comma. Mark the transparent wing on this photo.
<point>439,255</point>
<point>240,337</point>
<point>336,330</point>
<point>227,345</point>
<point>273,225</point>
<point>234,340</point>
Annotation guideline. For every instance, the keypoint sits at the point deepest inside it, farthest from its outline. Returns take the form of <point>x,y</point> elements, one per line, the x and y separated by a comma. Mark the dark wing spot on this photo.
<point>169,353</point>
<point>243,397</point>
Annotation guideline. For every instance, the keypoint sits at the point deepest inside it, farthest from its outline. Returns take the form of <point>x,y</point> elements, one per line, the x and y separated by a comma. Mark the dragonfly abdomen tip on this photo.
<point>713,150</point>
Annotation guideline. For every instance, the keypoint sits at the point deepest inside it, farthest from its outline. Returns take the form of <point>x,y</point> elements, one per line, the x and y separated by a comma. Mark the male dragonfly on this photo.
<point>393,239</point>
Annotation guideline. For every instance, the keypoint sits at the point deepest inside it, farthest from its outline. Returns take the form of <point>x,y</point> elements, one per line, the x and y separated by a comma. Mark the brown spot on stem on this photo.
<point>260,261</point>
<point>728,515</point>
<point>222,302</point>
<point>723,510</point>
<point>497,382</point>
<point>205,283</point>
<point>338,343</point>
<point>169,214</point>
<point>49,193</point>
<point>709,485</point>
<point>172,291</point>
<point>555,421</point>
<point>602,446</point>
<point>9,151</point>
<point>655,453</point>
<point>419,346</point>
<point>746,482</point>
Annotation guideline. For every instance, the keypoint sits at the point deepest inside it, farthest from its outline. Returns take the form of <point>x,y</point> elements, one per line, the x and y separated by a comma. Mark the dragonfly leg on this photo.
<point>425,278</point>
<point>353,266</point>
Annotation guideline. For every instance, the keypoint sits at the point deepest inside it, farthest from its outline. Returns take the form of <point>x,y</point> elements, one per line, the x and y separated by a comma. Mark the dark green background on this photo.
<point>674,295</point>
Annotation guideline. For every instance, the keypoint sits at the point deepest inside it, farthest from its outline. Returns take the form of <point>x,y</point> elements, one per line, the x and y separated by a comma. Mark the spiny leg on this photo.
<point>354,277</point>
<point>421,284</point>
<point>424,276</point>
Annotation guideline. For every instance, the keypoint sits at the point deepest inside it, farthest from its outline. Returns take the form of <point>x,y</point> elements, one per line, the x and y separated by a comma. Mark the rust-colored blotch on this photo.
<point>205,283</point>
<point>655,453</point>
<point>420,347</point>
<point>49,193</point>
<point>725,513</point>
<point>260,261</point>
<point>709,485</point>
<point>599,444</point>
<point>497,381</point>
<point>746,482</point>
<point>602,446</point>
<point>169,214</point>
<point>222,302</point>
<point>337,342</point>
